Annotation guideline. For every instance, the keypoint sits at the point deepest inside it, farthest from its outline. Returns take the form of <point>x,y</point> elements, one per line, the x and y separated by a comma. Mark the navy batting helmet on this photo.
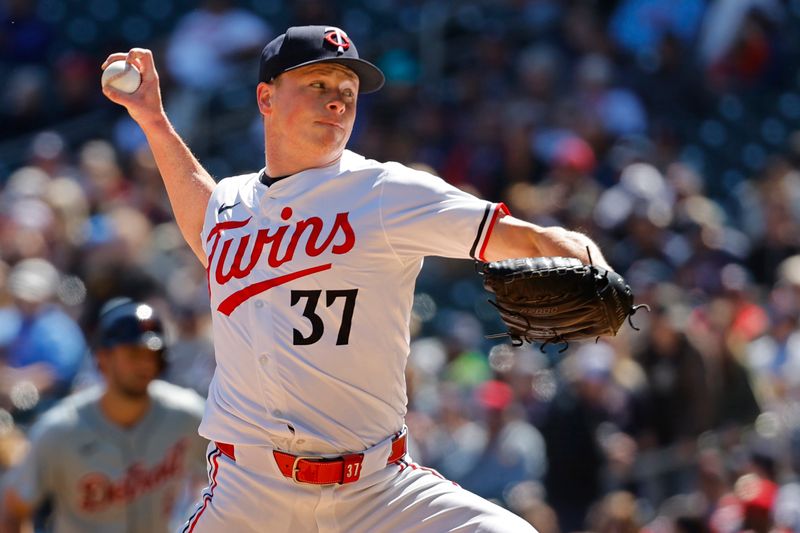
<point>123,321</point>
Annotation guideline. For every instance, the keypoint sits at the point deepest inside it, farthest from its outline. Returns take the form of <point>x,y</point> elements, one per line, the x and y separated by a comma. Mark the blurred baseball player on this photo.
<point>116,457</point>
<point>311,267</point>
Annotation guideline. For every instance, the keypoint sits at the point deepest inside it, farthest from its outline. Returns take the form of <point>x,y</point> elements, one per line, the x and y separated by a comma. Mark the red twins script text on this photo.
<point>278,247</point>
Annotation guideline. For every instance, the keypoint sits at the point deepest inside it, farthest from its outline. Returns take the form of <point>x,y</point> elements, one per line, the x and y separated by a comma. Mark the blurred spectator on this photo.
<point>501,451</point>
<point>528,500</point>
<point>49,152</point>
<point>749,508</point>
<point>617,110</point>
<point>640,207</point>
<point>210,43</point>
<point>739,45</point>
<point>460,332</point>
<point>101,175</point>
<point>23,101</point>
<point>148,193</point>
<point>76,84</point>
<point>680,514</point>
<point>191,358</point>
<point>42,347</point>
<point>207,49</point>
<point>582,433</point>
<point>640,26</point>
<point>772,219</point>
<point>583,31</point>
<point>538,72</point>
<point>732,399</point>
<point>774,360</point>
<point>786,509</point>
<point>568,192</point>
<point>749,319</point>
<point>678,405</point>
<point>616,513</point>
<point>28,224</point>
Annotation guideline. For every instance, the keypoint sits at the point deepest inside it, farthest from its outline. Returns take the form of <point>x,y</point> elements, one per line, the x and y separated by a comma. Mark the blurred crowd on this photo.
<point>667,131</point>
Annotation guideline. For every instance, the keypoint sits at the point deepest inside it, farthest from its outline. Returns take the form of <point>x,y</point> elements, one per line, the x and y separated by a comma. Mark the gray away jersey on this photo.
<point>103,478</point>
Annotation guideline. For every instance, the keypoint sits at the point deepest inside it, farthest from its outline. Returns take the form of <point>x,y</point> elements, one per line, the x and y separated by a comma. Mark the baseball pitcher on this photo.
<point>311,267</point>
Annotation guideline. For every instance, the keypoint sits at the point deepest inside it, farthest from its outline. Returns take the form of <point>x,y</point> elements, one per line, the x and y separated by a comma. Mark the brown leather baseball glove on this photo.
<point>557,299</point>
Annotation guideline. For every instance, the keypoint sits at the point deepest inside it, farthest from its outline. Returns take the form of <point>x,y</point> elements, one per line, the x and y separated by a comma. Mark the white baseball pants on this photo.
<point>250,495</point>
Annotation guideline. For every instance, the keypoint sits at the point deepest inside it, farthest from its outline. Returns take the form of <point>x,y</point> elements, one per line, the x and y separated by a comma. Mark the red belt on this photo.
<point>323,470</point>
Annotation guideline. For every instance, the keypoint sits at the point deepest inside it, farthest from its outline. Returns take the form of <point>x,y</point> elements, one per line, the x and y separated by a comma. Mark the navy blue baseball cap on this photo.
<point>125,322</point>
<point>306,45</point>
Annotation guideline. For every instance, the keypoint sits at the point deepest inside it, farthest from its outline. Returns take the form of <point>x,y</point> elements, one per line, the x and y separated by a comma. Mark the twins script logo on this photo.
<point>97,492</point>
<point>339,239</point>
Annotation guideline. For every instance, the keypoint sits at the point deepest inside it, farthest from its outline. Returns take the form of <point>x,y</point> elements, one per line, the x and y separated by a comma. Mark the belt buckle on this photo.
<point>296,469</point>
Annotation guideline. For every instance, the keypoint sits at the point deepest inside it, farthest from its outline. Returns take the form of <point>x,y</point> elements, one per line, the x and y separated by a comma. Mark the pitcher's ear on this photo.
<point>264,97</point>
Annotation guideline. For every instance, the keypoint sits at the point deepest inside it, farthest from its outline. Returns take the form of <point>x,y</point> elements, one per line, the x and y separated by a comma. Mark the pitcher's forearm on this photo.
<point>188,184</point>
<point>517,238</point>
<point>553,241</point>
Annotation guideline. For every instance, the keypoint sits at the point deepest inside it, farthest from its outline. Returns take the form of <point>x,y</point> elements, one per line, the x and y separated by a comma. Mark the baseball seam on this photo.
<point>128,68</point>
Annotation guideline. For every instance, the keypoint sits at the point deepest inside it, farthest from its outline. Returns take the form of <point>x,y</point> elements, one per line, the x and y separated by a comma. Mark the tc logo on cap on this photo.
<point>337,38</point>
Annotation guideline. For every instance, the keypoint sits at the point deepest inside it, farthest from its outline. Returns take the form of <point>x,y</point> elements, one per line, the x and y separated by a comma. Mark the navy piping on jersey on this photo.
<point>480,231</point>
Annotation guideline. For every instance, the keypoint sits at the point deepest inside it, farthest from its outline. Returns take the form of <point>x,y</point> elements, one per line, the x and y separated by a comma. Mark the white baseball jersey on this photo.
<point>103,478</point>
<point>311,284</point>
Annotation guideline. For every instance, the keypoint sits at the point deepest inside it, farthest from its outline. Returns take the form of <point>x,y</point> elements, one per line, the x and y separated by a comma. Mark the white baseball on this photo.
<point>123,76</point>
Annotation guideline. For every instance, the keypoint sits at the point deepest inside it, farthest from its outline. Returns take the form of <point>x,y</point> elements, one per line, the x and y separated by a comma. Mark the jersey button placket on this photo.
<point>263,319</point>
<point>271,390</point>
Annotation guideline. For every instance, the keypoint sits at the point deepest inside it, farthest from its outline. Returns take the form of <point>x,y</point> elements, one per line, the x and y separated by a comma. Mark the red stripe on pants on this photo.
<point>207,497</point>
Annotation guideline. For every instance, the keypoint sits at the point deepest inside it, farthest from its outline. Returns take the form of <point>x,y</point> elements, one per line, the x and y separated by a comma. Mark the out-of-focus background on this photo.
<point>669,131</point>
